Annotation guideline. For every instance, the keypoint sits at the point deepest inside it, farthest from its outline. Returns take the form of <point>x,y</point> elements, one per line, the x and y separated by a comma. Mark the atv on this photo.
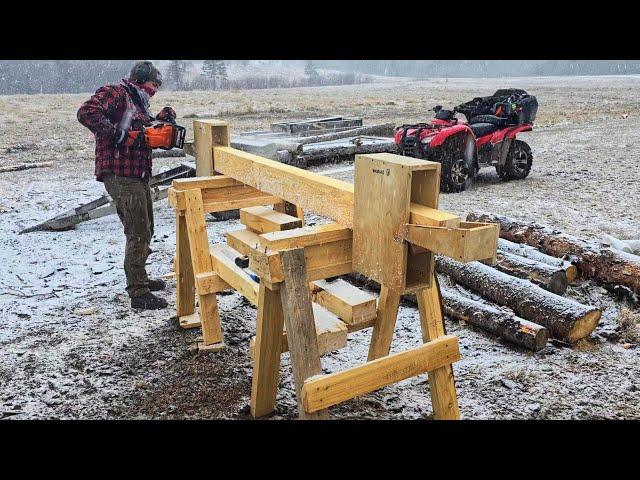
<point>487,138</point>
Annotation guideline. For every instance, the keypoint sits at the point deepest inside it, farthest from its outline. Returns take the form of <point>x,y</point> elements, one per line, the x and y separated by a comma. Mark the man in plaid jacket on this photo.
<point>111,113</point>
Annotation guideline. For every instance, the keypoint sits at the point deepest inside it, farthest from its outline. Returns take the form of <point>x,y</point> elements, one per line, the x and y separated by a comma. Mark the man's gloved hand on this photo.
<point>167,113</point>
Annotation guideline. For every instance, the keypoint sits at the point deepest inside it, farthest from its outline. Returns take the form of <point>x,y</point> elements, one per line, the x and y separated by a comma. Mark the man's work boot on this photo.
<point>148,301</point>
<point>157,284</point>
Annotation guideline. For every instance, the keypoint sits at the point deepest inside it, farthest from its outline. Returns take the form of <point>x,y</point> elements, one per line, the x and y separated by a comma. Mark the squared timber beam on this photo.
<point>263,220</point>
<point>323,391</point>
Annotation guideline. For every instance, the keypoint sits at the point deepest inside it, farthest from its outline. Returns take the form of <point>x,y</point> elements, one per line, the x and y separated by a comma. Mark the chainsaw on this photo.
<point>165,135</point>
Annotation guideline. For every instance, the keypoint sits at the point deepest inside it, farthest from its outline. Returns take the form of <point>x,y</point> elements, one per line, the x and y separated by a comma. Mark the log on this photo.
<point>550,278</point>
<point>481,314</point>
<point>488,317</point>
<point>342,150</point>
<point>174,152</point>
<point>385,128</point>
<point>565,319</point>
<point>529,252</point>
<point>25,166</point>
<point>592,259</point>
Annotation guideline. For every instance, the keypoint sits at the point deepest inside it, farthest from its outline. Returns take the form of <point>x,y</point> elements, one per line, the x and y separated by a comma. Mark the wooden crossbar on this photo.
<point>323,391</point>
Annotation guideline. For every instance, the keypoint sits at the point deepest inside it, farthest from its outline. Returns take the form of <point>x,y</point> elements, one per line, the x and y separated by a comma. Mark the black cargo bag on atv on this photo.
<point>513,106</point>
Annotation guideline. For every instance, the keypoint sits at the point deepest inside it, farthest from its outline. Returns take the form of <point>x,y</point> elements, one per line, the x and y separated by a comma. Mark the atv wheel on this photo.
<point>518,162</point>
<point>457,168</point>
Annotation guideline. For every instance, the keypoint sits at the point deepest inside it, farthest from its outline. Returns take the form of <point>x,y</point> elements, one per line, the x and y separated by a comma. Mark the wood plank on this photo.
<point>441,381</point>
<point>201,263</point>
<point>189,321</point>
<point>203,183</point>
<point>223,258</point>
<point>388,305</point>
<point>243,241</point>
<point>463,244</point>
<point>382,206</point>
<point>210,283</point>
<point>263,220</point>
<point>300,326</point>
<point>344,300</point>
<point>305,236</point>
<point>330,331</point>
<point>224,198</point>
<point>423,215</point>
<point>290,209</point>
<point>266,363</point>
<point>326,390</point>
<point>185,284</point>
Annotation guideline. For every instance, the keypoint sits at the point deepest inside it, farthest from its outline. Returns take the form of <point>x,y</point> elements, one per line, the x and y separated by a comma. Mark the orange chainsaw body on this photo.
<point>162,135</point>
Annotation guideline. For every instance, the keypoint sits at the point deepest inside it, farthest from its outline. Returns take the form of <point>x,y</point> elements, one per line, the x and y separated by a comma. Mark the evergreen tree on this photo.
<point>177,69</point>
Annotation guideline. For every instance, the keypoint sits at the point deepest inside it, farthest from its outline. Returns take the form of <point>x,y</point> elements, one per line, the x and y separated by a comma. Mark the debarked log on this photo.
<point>528,251</point>
<point>550,278</point>
<point>592,259</point>
<point>565,319</point>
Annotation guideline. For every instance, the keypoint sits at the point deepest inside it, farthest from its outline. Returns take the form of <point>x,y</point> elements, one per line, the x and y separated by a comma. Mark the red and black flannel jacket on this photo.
<point>102,114</point>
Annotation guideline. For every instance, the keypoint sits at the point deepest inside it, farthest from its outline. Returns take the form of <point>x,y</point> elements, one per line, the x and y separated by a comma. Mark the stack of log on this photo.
<point>520,297</point>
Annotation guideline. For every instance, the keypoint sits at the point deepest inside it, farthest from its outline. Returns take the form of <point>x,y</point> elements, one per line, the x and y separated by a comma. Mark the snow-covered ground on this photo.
<point>70,346</point>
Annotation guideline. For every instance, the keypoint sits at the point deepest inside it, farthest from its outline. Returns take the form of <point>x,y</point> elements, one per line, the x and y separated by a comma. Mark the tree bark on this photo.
<point>529,252</point>
<point>592,259</point>
<point>488,317</point>
<point>565,319</point>
<point>550,278</point>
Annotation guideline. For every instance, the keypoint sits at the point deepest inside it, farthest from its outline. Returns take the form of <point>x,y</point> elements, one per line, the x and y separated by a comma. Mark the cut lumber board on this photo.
<point>262,220</point>
<point>347,302</point>
<point>305,236</point>
<point>592,259</point>
<point>528,251</point>
<point>243,240</point>
<point>323,391</point>
<point>331,332</point>
<point>565,319</point>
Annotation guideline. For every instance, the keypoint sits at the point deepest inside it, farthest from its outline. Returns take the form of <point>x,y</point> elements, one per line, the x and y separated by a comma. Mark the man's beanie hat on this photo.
<point>145,71</point>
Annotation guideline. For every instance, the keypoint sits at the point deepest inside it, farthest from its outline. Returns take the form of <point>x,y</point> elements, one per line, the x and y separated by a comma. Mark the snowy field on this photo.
<point>70,346</point>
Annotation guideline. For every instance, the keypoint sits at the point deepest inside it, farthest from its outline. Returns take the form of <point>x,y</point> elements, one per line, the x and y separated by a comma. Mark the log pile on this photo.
<point>593,260</point>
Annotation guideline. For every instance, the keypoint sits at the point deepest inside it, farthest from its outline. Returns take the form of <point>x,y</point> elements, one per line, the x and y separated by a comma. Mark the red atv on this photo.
<point>488,138</point>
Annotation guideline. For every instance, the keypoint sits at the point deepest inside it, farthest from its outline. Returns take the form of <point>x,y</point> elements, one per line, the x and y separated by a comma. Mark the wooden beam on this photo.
<point>330,331</point>
<point>423,215</point>
<point>323,261</point>
<point>201,263</point>
<point>310,191</point>
<point>441,381</point>
<point>346,301</point>
<point>185,286</point>
<point>243,241</point>
<point>212,182</point>
<point>298,319</point>
<point>305,236</point>
<point>326,390</point>
<point>467,243</point>
<point>262,220</point>
<point>210,283</point>
<point>266,363</point>
<point>382,335</point>
<point>220,199</point>
<point>223,262</point>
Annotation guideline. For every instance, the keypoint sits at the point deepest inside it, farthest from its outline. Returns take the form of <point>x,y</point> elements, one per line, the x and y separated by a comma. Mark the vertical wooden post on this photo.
<point>201,263</point>
<point>266,358</point>
<point>207,134</point>
<point>185,284</point>
<point>301,329</point>
<point>388,305</point>
<point>441,382</point>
